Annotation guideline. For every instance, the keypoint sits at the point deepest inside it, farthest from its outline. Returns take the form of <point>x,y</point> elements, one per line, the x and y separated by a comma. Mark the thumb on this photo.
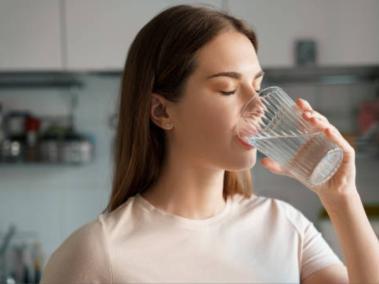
<point>273,166</point>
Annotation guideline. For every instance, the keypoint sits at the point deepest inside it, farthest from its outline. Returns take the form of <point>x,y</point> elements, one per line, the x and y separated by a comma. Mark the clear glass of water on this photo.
<point>274,125</point>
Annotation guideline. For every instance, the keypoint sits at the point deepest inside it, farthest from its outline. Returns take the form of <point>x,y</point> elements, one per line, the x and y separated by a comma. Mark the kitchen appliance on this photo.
<point>76,149</point>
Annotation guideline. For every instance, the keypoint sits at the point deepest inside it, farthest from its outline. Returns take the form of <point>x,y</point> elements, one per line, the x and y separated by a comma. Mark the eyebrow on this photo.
<point>234,75</point>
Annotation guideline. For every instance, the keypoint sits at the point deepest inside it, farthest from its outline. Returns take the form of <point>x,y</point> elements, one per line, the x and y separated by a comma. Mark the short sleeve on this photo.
<point>315,253</point>
<point>81,258</point>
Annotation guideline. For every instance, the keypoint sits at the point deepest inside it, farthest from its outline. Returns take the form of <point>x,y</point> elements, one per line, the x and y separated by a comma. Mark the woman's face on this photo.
<point>226,76</point>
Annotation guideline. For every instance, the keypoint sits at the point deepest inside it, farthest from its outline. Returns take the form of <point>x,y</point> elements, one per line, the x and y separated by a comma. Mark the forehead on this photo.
<point>228,51</point>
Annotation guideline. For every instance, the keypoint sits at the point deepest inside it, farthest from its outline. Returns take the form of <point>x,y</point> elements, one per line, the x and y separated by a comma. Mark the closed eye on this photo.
<point>225,93</point>
<point>228,93</point>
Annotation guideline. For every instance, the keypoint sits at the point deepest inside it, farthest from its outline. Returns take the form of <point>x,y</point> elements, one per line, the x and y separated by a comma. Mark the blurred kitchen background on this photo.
<point>60,67</point>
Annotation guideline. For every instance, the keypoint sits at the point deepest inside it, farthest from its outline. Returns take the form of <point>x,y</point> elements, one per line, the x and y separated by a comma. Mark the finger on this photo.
<point>314,115</point>
<point>330,132</point>
<point>316,120</point>
<point>272,166</point>
<point>303,104</point>
<point>333,135</point>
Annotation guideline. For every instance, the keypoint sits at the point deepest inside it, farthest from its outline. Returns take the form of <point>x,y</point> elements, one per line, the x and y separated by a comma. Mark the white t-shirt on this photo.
<point>256,239</point>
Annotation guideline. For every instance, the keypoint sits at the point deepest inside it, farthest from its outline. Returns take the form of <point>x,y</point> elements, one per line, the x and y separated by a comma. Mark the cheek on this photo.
<point>211,137</point>
<point>216,123</point>
<point>206,131</point>
<point>220,143</point>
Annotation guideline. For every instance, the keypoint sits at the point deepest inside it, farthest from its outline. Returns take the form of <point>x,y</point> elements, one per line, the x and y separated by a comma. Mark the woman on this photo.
<point>181,209</point>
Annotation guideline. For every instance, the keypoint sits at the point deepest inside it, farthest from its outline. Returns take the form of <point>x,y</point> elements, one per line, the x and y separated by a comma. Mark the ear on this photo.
<point>159,112</point>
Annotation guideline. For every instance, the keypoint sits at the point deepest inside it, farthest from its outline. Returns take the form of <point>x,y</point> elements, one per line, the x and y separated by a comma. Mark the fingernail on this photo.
<point>306,102</point>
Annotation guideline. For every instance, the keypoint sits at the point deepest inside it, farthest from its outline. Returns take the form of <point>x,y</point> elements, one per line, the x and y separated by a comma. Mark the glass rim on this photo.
<point>264,93</point>
<point>270,88</point>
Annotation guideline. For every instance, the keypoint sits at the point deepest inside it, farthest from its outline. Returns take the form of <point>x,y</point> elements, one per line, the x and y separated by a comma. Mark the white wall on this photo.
<point>346,31</point>
<point>78,35</point>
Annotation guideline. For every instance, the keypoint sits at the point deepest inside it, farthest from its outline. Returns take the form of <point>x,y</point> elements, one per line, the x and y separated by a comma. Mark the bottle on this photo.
<point>27,263</point>
<point>37,261</point>
<point>32,125</point>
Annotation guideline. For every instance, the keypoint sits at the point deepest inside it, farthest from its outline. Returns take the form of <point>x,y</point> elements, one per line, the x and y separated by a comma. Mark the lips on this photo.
<point>244,143</point>
<point>245,129</point>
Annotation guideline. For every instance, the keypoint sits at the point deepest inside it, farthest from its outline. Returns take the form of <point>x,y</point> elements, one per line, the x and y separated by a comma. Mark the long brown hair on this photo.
<point>160,59</point>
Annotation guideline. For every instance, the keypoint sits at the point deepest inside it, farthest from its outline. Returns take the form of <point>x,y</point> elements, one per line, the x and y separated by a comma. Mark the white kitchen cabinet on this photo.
<point>96,34</point>
<point>346,31</point>
<point>99,32</point>
<point>30,35</point>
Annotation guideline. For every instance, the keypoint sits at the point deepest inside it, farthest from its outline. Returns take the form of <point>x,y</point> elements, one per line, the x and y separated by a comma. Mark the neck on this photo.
<point>187,189</point>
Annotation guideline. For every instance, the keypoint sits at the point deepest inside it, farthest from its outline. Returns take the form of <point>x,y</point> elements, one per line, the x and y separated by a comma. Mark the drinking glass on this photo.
<point>274,125</point>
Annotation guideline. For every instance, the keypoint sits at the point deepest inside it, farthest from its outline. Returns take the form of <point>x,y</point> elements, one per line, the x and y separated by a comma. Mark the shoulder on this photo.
<point>273,209</point>
<point>82,257</point>
<point>263,202</point>
<point>84,239</point>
